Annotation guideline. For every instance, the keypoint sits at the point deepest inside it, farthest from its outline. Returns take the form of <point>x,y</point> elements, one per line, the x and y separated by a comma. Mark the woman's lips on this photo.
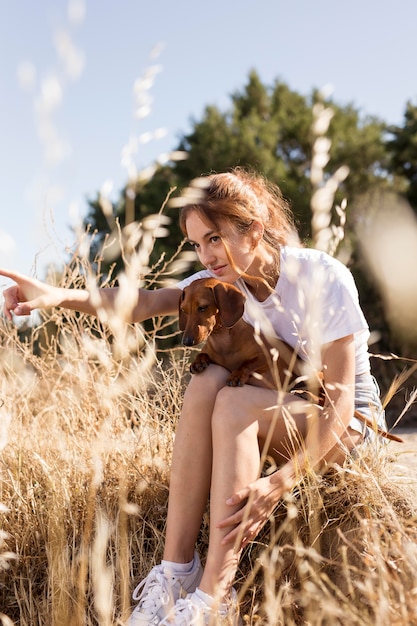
<point>218,269</point>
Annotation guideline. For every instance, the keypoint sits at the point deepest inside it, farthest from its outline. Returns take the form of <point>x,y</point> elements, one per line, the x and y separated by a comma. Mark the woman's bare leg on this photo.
<point>236,463</point>
<point>241,419</point>
<point>191,465</point>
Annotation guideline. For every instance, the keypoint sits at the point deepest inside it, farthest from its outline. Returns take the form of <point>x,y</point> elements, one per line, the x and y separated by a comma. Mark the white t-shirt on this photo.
<point>315,301</point>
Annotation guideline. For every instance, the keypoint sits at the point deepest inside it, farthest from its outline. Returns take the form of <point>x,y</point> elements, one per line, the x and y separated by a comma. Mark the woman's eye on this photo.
<point>215,239</point>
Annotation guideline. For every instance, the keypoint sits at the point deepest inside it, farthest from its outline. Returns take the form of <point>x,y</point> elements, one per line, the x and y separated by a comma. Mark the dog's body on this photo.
<point>211,311</point>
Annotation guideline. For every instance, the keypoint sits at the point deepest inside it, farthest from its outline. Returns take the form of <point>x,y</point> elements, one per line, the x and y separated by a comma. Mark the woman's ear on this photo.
<point>257,232</point>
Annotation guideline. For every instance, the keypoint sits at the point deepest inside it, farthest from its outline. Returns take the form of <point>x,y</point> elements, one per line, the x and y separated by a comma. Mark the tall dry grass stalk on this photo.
<point>326,235</point>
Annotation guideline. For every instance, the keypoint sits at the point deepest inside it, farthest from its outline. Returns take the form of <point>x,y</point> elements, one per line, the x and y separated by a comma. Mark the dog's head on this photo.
<point>205,304</point>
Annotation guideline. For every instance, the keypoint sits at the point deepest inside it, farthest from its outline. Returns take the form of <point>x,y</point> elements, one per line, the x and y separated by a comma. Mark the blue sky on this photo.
<point>68,69</point>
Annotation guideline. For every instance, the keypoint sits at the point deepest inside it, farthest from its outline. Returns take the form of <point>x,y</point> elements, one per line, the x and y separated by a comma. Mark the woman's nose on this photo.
<point>206,257</point>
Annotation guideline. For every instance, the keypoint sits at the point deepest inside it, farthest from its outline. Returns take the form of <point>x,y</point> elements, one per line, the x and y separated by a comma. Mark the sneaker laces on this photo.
<point>193,611</point>
<point>188,613</point>
<point>154,588</point>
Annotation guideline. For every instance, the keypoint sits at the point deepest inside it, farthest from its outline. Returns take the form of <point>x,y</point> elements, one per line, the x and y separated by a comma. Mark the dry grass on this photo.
<point>86,437</point>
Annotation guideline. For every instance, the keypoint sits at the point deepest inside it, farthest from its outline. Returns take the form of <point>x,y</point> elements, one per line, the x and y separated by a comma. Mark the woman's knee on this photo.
<point>231,410</point>
<point>201,393</point>
<point>207,383</point>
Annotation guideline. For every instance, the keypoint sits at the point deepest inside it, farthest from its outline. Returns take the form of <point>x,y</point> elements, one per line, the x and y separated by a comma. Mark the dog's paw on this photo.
<point>200,363</point>
<point>234,382</point>
<point>237,379</point>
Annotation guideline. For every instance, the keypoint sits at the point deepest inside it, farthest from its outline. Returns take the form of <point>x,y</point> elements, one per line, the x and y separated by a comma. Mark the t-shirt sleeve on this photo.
<point>342,314</point>
<point>187,281</point>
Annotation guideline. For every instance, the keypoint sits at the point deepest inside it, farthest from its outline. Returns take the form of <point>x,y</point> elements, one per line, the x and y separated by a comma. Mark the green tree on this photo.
<point>403,148</point>
<point>269,130</point>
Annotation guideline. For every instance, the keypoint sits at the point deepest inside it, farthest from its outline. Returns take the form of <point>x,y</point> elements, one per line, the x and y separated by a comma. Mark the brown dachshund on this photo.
<point>211,311</point>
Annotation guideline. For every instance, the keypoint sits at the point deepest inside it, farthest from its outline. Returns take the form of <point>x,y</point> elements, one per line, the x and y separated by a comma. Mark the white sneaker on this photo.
<point>160,590</point>
<point>193,611</point>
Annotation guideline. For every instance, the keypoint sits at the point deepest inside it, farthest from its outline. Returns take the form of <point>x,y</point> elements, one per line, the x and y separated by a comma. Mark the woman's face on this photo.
<point>211,251</point>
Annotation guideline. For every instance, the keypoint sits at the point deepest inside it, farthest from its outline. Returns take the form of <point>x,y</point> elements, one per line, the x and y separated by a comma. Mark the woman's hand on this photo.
<point>258,501</point>
<point>27,294</point>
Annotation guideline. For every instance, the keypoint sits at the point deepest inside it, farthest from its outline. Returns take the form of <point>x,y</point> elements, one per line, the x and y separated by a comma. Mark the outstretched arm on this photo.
<point>28,294</point>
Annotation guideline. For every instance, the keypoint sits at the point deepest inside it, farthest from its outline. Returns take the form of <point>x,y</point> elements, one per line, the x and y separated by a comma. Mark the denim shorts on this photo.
<point>368,402</point>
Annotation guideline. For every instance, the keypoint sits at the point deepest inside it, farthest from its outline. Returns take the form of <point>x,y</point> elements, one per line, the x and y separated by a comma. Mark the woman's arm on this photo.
<point>323,440</point>
<point>326,428</point>
<point>29,294</point>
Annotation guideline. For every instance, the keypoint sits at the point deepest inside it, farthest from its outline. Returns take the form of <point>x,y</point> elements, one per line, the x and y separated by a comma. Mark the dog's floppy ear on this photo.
<point>230,302</point>
<point>182,317</point>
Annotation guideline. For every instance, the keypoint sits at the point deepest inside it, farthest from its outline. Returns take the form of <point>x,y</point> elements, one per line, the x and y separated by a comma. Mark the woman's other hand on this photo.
<point>258,501</point>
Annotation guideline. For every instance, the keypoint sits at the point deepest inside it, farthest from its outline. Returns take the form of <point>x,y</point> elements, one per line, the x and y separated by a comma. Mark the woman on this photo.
<point>241,227</point>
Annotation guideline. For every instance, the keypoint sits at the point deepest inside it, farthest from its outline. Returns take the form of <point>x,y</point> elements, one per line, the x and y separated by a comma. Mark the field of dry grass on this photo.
<point>86,433</point>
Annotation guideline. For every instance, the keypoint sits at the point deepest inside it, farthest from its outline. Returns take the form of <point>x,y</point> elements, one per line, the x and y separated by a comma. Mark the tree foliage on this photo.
<point>403,148</point>
<point>267,129</point>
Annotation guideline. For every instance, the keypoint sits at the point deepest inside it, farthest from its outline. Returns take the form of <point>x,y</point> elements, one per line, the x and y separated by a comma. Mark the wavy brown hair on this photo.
<point>237,199</point>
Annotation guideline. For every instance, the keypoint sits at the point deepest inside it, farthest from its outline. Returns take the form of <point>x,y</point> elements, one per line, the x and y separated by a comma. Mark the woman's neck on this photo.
<point>263,283</point>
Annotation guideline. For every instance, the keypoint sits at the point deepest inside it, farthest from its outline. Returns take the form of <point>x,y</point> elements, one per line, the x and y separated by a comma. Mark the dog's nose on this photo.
<point>187,341</point>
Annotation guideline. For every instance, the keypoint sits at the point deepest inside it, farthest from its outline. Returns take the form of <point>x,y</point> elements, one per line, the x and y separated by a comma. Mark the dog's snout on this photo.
<point>187,341</point>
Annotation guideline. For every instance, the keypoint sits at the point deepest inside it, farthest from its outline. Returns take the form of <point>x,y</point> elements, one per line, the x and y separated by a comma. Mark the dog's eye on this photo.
<point>202,308</point>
